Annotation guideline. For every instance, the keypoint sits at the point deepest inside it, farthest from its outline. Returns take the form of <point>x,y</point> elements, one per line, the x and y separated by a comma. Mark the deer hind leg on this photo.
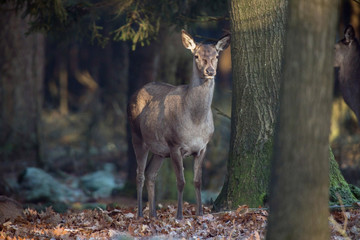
<point>177,161</point>
<point>141,153</point>
<point>198,160</point>
<point>151,173</point>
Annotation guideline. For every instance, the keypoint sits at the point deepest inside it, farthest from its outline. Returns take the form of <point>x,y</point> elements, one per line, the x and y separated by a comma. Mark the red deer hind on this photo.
<point>176,122</point>
<point>347,58</point>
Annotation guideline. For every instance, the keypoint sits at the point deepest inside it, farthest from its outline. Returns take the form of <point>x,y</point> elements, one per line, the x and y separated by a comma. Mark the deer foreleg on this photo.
<point>198,160</point>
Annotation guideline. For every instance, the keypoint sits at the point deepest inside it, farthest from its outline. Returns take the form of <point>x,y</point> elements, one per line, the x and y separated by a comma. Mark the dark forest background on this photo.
<point>67,70</point>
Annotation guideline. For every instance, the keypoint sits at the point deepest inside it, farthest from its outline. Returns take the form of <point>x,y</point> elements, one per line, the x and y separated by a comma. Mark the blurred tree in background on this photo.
<point>22,65</point>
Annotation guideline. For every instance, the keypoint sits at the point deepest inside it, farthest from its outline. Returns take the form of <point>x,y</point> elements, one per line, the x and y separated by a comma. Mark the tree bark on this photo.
<point>257,29</point>
<point>21,81</point>
<point>300,174</point>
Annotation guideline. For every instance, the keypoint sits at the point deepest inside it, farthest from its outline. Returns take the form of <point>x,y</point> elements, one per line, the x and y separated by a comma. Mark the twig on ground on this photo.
<point>337,226</point>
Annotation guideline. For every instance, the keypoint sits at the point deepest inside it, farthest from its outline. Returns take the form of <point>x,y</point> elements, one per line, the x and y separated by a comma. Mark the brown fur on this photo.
<point>347,58</point>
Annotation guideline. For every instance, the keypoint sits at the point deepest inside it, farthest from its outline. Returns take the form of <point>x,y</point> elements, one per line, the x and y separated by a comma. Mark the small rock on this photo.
<point>116,235</point>
<point>37,185</point>
<point>99,184</point>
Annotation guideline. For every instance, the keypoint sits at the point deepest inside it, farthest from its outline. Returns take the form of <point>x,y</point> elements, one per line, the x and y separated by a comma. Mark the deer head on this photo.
<point>205,55</point>
<point>343,47</point>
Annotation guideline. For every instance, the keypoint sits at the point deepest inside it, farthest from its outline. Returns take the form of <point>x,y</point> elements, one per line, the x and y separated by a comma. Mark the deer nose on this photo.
<point>210,72</point>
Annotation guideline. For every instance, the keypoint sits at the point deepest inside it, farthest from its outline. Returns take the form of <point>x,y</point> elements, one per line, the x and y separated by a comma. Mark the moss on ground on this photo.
<point>248,178</point>
<point>339,188</point>
<point>355,191</point>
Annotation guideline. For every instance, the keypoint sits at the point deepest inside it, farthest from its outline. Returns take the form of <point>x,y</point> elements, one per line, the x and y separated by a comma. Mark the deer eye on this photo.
<point>196,56</point>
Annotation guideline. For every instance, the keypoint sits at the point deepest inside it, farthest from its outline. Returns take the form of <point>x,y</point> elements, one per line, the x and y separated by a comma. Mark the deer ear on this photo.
<point>188,41</point>
<point>223,43</point>
<point>349,33</point>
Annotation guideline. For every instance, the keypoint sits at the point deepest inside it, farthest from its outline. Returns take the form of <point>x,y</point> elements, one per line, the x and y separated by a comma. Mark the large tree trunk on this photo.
<point>21,79</point>
<point>300,174</point>
<point>257,29</point>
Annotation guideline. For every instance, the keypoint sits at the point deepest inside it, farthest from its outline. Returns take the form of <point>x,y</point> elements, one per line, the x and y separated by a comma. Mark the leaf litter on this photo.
<point>122,223</point>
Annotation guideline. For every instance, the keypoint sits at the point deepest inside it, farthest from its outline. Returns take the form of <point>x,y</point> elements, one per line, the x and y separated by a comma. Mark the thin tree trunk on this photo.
<point>64,92</point>
<point>143,64</point>
<point>300,175</point>
<point>21,81</point>
<point>257,29</point>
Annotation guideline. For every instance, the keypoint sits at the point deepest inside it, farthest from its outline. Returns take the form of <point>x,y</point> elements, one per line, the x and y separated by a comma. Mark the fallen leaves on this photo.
<point>243,223</point>
<point>345,224</point>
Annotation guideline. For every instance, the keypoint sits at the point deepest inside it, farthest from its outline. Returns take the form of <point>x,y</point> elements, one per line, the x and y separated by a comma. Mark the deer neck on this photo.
<point>350,68</point>
<point>199,97</point>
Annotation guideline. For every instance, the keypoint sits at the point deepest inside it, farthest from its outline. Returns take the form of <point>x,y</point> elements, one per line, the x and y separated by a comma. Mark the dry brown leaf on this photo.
<point>242,209</point>
<point>131,229</point>
<point>59,231</point>
<point>240,224</point>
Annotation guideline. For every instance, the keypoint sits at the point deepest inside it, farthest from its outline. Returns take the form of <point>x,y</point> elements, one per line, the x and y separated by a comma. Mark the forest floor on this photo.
<point>64,146</point>
<point>121,223</point>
